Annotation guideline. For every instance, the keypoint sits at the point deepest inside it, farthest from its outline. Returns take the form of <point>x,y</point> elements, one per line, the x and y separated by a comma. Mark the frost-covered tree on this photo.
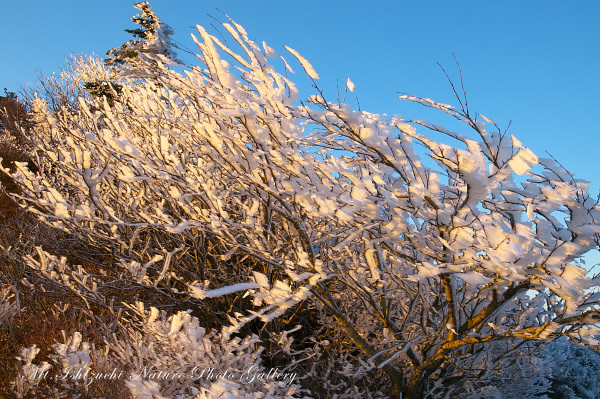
<point>151,37</point>
<point>427,262</point>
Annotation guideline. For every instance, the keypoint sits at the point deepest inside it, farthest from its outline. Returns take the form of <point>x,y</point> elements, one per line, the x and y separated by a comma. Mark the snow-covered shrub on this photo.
<point>212,186</point>
<point>556,370</point>
<point>31,373</point>
<point>9,306</point>
<point>177,358</point>
<point>67,375</point>
<point>73,360</point>
<point>574,371</point>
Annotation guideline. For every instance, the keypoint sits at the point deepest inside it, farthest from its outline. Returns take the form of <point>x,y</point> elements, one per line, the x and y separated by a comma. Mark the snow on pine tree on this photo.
<point>213,181</point>
<point>151,37</point>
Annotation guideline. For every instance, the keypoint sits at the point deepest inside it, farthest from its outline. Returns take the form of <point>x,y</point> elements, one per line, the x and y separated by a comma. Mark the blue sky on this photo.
<point>534,63</point>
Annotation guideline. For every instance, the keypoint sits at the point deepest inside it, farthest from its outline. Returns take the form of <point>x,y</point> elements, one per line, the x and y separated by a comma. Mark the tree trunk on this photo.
<point>414,389</point>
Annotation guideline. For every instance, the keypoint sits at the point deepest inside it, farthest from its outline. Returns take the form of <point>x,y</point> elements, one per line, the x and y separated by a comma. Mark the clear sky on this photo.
<point>530,61</point>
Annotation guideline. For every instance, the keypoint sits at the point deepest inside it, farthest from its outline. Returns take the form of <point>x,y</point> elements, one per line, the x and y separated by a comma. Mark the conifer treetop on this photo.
<point>151,37</point>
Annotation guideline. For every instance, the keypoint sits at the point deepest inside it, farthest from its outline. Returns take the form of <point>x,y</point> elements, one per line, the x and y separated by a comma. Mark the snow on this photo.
<point>524,160</point>
<point>474,278</point>
<point>200,293</point>
<point>305,64</point>
<point>287,66</point>
<point>350,85</point>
